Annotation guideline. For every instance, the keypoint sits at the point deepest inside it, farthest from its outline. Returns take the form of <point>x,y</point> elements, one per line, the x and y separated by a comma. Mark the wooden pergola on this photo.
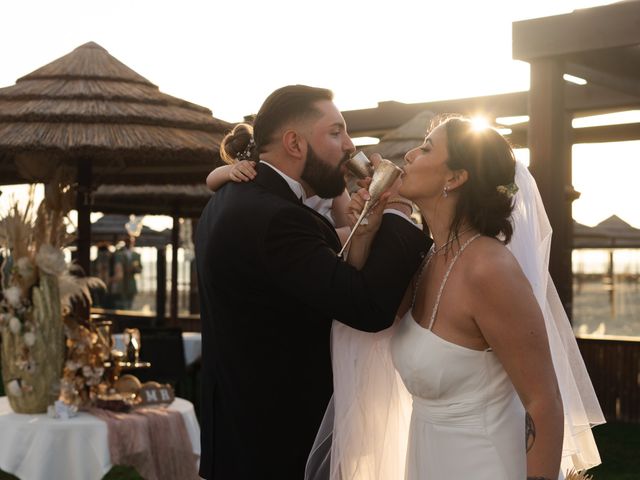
<point>600,45</point>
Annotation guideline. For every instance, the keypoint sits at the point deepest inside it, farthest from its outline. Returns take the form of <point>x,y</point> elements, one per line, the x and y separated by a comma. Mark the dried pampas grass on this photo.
<point>36,238</point>
<point>16,228</point>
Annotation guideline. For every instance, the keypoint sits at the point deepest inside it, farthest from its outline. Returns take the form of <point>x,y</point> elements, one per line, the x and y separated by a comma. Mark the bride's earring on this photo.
<point>445,192</point>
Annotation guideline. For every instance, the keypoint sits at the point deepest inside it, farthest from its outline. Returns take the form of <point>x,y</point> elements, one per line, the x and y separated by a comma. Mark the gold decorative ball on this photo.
<point>127,384</point>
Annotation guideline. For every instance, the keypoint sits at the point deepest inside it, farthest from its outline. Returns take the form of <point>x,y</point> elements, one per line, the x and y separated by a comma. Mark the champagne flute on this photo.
<point>384,175</point>
<point>360,166</point>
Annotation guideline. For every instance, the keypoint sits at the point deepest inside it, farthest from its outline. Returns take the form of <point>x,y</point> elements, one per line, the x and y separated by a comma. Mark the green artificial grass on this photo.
<point>619,446</point>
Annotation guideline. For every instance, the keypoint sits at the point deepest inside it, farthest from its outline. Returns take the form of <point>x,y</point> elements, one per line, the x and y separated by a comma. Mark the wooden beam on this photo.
<point>592,99</point>
<point>83,207</point>
<point>620,62</point>
<point>628,86</point>
<point>599,134</point>
<point>161,285</point>
<point>609,26</point>
<point>194,297</point>
<point>550,160</point>
<point>607,133</point>
<point>580,100</point>
<point>389,115</point>
<point>175,243</point>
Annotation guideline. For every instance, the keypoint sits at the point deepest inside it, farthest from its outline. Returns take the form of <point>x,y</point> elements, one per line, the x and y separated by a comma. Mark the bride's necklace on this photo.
<point>435,250</point>
<point>432,253</point>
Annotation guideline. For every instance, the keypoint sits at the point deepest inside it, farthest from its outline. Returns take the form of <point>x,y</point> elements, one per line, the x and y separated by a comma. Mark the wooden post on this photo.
<point>194,299</point>
<point>161,285</point>
<point>550,164</point>
<point>83,207</point>
<point>175,243</point>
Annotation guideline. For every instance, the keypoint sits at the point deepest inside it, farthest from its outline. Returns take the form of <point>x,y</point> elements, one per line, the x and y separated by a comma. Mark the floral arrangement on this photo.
<point>85,367</point>
<point>37,289</point>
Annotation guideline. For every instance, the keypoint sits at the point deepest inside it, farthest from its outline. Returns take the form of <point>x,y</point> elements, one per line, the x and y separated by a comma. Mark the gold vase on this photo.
<point>33,386</point>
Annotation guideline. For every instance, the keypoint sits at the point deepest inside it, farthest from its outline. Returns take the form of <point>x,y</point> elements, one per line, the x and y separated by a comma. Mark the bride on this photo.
<point>480,377</point>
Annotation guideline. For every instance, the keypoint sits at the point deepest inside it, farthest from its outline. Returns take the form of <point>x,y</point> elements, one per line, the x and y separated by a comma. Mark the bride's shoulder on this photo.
<point>490,260</point>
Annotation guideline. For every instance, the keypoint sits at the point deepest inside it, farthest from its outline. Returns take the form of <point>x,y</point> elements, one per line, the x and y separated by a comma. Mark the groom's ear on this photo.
<point>294,144</point>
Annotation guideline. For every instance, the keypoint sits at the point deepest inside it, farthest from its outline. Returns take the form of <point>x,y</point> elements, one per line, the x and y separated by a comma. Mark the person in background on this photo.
<point>102,267</point>
<point>126,265</point>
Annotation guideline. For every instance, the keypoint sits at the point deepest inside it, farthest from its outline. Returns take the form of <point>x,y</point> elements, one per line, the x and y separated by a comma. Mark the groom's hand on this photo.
<point>371,223</point>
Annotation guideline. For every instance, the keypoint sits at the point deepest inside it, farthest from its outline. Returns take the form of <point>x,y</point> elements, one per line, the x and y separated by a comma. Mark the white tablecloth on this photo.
<point>192,345</point>
<point>36,447</point>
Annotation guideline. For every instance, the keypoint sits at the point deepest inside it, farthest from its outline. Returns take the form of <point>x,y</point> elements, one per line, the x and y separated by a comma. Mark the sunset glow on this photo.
<point>406,52</point>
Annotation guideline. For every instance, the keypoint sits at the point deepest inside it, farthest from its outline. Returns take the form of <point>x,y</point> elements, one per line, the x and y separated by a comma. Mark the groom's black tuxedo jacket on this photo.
<point>270,283</point>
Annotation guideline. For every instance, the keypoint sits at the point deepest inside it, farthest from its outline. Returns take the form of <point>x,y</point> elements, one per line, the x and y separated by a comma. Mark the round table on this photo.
<point>36,447</point>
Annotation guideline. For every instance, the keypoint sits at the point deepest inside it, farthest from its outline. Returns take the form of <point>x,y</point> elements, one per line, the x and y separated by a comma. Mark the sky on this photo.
<point>228,56</point>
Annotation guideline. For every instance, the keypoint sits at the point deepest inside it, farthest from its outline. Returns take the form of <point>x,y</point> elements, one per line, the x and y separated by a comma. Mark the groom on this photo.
<point>271,283</point>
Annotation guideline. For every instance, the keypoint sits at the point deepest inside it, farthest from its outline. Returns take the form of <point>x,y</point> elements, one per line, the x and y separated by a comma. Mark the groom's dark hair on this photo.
<point>293,102</point>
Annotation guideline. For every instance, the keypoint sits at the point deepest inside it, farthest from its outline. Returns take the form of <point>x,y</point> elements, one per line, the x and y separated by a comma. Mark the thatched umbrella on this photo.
<point>610,233</point>
<point>396,143</point>
<point>92,116</point>
<point>111,229</point>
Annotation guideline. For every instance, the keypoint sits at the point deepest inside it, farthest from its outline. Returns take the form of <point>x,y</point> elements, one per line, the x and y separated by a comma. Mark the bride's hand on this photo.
<point>372,221</point>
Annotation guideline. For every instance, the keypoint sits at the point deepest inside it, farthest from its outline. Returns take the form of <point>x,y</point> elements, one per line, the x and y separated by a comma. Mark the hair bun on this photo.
<point>238,144</point>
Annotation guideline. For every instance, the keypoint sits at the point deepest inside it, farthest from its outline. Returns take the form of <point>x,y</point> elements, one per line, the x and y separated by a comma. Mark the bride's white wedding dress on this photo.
<point>467,420</point>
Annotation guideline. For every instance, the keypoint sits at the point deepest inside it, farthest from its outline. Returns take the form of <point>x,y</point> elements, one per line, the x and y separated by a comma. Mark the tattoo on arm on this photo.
<point>530,433</point>
<point>530,438</point>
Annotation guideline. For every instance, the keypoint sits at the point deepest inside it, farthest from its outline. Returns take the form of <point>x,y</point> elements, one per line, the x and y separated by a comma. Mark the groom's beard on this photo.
<point>325,180</point>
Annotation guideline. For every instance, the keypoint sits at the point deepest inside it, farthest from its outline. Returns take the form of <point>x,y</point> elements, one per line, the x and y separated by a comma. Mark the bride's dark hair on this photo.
<point>490,163</point>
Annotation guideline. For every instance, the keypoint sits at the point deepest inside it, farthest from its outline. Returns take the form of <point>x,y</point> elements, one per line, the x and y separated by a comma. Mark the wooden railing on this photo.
<point>614,367</point>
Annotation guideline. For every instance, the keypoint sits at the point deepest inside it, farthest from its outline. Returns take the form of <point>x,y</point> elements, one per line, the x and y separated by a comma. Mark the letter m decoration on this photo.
<point>152,393</point>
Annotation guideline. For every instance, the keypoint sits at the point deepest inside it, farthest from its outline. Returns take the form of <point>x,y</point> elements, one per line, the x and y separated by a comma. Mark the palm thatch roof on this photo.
<point>111,229</point>
<point>88,105</point>
<point>186,201</point>
<point>396,143</point>
<point>610,233</point>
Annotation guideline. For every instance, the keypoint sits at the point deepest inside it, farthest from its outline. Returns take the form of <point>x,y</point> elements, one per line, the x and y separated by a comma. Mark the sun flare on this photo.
<point>480,123</point>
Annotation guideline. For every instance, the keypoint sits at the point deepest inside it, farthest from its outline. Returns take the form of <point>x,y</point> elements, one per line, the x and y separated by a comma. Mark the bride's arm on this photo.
<point>360,246</point>
<point>507,313</point>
